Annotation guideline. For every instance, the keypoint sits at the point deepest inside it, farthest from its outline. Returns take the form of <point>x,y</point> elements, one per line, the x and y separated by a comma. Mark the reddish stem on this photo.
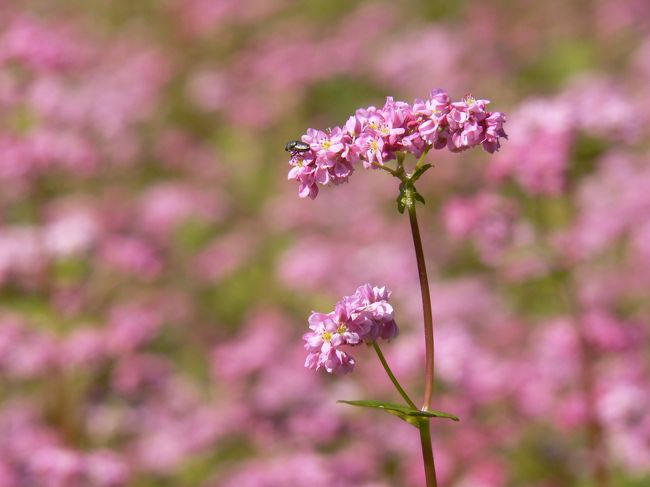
<point>425,434</point>
<point>426,308</point>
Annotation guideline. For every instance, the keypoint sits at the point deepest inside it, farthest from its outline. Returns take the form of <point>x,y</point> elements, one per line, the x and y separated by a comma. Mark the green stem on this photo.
<point>393,379</point>
<point>420,162</point>
<point>400,164</point>
<point>427,455</point>
<point>393,172</point>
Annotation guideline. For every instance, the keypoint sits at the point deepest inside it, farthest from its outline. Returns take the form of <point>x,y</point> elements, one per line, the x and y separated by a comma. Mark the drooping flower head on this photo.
<point>361,317</point>
<point>374,136</point>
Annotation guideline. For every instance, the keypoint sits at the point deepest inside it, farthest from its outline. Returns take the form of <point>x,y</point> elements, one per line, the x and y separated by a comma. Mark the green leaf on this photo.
<point>406,413</point>
<point>419,172</point>
<point>408,195</point>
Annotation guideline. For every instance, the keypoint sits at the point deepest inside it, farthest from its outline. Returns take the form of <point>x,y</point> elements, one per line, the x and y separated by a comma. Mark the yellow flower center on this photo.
<point>341,329</point>
<point>326,336</point>
<point>326,144</point>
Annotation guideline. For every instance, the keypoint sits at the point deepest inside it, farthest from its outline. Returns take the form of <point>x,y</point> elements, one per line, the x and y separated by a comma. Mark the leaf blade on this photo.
<point>406,413</point>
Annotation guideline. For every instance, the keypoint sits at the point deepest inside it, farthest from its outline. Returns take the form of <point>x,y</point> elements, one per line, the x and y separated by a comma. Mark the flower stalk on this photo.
<point>427,455</point>
<point>425,434</point>
<point>426,307</point>
<point>392,377</point>
<point>407,200</point>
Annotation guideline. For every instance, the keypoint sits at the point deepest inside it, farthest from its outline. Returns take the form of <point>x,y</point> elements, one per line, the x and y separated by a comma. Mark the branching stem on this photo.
<point>389,170</point>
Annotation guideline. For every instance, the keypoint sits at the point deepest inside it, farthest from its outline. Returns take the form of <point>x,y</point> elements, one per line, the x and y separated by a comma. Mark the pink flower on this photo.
<point>468,123</point>
<point>361,317</point>
<point>312,168</point>
<point>323,342</point>
<point>370,305</point>
<point>375,136</point>
<point>325,144</point>
<point>371,148</point>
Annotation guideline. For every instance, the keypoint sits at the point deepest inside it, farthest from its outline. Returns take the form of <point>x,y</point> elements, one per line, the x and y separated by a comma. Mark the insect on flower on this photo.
<point>296,146</point>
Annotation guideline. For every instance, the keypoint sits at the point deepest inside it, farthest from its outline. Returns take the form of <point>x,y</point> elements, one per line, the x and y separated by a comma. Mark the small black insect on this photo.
<point>296,146</point>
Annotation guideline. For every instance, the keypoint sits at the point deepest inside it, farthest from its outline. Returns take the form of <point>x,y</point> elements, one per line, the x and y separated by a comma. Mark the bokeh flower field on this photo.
<point>157,269</point>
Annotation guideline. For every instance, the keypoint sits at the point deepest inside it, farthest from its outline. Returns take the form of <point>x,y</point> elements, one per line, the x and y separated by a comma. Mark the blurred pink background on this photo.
<point>157,269</point>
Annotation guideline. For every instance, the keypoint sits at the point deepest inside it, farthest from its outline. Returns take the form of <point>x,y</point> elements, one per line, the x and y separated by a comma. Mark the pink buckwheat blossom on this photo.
<point>361,317</point>
<point>375,136</point>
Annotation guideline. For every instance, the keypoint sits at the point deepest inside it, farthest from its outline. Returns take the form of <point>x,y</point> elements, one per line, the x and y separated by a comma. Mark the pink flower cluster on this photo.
<point>364,316</point>
<point>375,135</point>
